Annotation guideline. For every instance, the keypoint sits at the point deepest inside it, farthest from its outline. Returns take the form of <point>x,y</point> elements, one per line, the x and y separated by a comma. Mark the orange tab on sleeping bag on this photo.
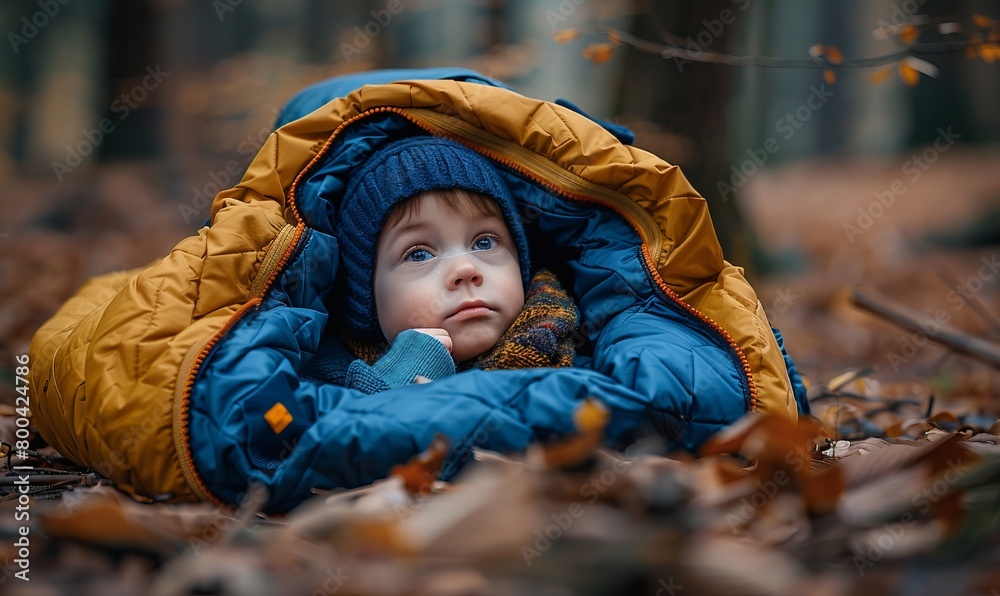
<point>278,417</point>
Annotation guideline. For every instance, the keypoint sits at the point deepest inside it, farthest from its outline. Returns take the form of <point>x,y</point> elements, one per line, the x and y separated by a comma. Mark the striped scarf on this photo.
<point>541,336</point>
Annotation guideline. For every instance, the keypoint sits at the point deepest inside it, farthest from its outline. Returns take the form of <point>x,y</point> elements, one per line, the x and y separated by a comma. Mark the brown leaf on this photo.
<point>917,538</point>
<point>495,510</point>
<point>565,35</point>
<point>756,434</point>
<point>729,439</point>
<point>834,55</point>
<point>989,52</point>
<point>862,447</point>
<point>879,462</point>
<point>569,451</point>
<point>983,21</point>
<point>421,471</point>
<point>895,430</point>
<point>880,76</point>
<point>590,419</point>
<point>783,452</point>
<point>822,489</point>
<point>949,510</point>
<point>104,517</point>
<point>882,497</point>
<point>782,520</point>
<point>915,429</point>
<point>598,52</point>
<point>909,74</point>
<point>948,456</point>
<point>944,420</point>
<point>364,519</point>
<point>591,415</point>
<point>731,566</point>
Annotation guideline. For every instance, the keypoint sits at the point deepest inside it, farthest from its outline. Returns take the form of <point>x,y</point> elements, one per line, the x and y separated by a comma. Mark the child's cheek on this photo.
<point>421,312</point>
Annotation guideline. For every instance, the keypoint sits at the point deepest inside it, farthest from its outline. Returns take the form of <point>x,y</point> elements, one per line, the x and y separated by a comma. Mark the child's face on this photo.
<point>457,271</point>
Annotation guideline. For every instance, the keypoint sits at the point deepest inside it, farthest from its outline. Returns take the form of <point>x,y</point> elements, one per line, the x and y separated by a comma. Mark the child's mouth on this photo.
<point>470,310</point>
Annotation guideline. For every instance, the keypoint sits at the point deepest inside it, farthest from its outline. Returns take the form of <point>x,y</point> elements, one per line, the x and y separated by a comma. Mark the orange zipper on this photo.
<point>184,413</point>
<point>747,369</point>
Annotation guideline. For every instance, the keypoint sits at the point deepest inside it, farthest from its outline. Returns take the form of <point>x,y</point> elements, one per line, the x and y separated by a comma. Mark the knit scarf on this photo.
<point>541,336</point>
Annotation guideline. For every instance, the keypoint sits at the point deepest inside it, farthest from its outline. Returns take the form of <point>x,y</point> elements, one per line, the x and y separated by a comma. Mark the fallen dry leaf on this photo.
<point>565,35</point>
<point>599,53</point>
<point>420,473</point>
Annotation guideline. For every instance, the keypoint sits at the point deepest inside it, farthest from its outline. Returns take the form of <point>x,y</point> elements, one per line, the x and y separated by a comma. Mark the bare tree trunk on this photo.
<point>689,99</point>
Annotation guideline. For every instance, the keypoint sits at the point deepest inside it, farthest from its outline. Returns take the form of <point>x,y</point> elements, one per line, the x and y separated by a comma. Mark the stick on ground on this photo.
<point>918,322</point>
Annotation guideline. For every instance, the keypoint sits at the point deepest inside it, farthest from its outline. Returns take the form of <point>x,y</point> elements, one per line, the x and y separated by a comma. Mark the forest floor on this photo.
<point>894,487</point>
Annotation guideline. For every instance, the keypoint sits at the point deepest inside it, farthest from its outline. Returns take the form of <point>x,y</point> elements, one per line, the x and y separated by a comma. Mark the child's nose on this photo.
<point>465,271</point>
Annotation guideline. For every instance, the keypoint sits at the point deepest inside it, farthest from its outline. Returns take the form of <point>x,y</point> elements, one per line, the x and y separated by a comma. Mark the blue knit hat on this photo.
<point>393,173</point>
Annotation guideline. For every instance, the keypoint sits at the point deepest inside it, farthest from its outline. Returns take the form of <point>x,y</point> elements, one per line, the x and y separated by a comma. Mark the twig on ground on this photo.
<point>940,333</point>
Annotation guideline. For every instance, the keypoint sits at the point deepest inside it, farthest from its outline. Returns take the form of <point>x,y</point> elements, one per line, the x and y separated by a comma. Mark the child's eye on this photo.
<point>485,243</point>
<point>416,255</point>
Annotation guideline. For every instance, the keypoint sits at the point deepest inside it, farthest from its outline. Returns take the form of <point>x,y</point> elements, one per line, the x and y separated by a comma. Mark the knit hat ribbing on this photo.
<point>393,173</point>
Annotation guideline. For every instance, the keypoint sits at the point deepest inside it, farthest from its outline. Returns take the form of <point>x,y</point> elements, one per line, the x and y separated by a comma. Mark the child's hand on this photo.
<point>440,334</point>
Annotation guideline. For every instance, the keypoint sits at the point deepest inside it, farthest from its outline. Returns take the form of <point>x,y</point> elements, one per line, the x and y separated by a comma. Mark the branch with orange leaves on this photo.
<point>981,40</point>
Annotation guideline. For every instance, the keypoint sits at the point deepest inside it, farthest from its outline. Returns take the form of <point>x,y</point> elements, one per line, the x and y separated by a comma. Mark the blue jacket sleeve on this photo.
<point>361,439</point>
<point>291,435</point>
<point>678,367</point>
